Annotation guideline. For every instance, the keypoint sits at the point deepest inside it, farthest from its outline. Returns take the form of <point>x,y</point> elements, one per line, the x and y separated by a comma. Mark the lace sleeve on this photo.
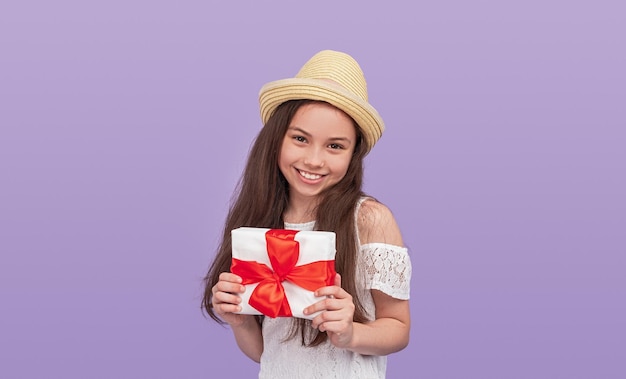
<point>387,269</point>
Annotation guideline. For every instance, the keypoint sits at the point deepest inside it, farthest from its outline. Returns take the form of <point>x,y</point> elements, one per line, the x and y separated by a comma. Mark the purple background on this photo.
<point>124,126</point>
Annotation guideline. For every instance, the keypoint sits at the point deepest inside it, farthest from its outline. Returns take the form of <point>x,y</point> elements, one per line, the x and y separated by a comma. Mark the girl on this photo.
<point>305,172</point>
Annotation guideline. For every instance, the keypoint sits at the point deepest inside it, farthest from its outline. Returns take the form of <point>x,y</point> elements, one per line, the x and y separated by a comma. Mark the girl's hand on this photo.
<point>226,299</point>
<point>337,314</point>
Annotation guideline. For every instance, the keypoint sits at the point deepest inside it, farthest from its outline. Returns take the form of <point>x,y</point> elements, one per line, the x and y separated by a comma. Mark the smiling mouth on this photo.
<point>308,175</point>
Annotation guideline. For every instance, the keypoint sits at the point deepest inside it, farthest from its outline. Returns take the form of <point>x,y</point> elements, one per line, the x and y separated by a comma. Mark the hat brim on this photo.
<point>277,92</point>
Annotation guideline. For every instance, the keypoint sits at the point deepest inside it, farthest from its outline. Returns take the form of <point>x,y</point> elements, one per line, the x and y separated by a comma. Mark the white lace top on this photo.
<point>380,266</point>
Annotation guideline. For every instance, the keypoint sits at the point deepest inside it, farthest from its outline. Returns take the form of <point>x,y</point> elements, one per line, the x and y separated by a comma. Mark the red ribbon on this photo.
<point>269,295</point>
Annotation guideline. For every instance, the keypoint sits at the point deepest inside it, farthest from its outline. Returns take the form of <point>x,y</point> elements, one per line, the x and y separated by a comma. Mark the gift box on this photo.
<point>282,268</point>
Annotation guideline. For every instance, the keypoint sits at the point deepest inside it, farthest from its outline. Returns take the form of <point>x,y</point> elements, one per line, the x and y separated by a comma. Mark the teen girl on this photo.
<point>305,172</point>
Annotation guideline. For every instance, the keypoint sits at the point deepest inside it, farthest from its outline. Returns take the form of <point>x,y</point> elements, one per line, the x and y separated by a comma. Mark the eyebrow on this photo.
<point>334,139</point>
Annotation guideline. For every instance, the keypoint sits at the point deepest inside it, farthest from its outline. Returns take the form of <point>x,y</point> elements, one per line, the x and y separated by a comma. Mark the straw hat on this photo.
<point>333,77</point>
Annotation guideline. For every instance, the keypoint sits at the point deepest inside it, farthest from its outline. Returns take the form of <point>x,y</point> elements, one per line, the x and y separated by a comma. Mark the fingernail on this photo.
<point>305,311</point>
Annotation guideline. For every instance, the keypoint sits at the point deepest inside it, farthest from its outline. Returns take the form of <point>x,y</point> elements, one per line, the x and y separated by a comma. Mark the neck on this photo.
<point>300,210</point>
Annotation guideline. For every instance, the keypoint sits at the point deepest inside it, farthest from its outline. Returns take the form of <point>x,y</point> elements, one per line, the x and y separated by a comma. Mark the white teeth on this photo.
<point>309,175</point>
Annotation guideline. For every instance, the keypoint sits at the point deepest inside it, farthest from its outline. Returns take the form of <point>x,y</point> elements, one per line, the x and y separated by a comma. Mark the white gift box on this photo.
<point>316,248</point>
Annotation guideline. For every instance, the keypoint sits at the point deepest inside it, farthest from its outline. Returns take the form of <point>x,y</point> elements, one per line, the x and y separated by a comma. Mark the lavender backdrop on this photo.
<point>124,126</point>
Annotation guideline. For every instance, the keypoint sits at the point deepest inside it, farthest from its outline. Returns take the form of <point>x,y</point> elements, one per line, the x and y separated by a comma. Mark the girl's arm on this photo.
<point>247,330</point>
<point>389,332</point>
<point>249,338</point>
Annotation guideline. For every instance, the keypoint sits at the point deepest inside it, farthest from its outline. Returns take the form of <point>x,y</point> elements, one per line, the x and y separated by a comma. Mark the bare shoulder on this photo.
<point>376,223</point>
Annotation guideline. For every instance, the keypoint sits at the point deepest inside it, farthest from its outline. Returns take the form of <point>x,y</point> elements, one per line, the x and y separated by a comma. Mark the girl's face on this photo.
<point>316,150</point>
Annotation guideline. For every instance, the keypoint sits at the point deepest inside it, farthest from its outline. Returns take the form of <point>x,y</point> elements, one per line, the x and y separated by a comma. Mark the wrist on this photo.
<point>245,322</point>
<point>353,343</point>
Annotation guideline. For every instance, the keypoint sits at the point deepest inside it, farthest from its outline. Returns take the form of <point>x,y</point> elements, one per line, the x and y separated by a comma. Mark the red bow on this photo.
<point>269,296</point>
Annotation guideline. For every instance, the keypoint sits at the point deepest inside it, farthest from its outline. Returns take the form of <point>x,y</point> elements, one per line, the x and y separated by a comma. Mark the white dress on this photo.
<point>380,266</point>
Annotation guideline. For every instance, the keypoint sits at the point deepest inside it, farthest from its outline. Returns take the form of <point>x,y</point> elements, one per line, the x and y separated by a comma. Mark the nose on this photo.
<point>314,157</point>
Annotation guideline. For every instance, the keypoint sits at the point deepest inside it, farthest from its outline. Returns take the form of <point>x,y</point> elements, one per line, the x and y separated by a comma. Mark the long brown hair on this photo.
<point>262,196</point>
